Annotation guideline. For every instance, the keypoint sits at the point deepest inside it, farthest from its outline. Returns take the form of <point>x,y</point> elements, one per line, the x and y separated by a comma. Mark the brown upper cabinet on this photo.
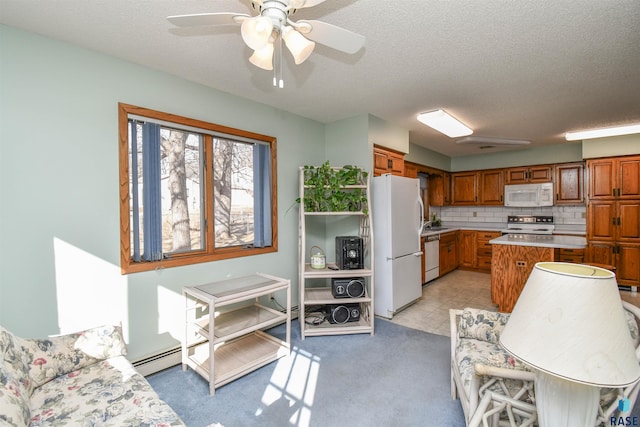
<point>614,178</point>
<point>464,188</point>
<point>439,189</point>
<point>491,187</point>
<point>529,174</point>
<point>410,170</point>
<point>484,187</point>
<point>569,182</point>
<point>387,161</point>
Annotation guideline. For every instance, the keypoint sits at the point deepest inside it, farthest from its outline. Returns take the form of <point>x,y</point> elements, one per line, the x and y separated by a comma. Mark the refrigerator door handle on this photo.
<point>421,204</point>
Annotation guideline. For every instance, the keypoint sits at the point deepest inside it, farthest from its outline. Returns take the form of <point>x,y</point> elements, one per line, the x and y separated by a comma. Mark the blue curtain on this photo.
<point>151,192</point>
<point>262,195</point>
<point>134,190</point>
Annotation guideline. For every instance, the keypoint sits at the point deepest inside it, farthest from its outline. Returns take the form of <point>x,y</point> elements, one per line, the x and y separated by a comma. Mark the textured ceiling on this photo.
<point>509,69</point>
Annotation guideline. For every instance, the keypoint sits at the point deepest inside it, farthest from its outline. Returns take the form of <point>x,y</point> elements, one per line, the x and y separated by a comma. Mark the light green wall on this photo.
<point>59,218</point>
<point>561,153</point>
<point>612,146</point>
<point>387,135</point>
<point>424,156</point>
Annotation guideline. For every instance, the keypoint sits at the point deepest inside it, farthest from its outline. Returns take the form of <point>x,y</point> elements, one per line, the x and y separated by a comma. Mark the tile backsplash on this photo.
<point>562,215</point>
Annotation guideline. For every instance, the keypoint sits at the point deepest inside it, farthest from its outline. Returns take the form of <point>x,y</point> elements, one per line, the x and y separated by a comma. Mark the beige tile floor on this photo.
<point>458,289</point>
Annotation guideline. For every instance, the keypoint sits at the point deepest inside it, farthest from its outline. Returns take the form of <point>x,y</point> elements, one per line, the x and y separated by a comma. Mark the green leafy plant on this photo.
<point>325,189</point>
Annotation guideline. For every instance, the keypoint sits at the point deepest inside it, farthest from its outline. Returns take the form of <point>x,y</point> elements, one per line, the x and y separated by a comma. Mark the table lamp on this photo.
<point>569,326</point>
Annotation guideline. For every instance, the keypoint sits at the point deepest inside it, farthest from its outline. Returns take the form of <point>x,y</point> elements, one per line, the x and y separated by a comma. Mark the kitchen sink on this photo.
<point>435,229</point>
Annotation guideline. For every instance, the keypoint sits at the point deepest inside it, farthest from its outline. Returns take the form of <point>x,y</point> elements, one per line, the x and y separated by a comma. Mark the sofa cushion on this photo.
<point>482,325</point>
<point>59,355</point>
<point>108,393</point>
<point>15,384</point>
<point>472,351</point>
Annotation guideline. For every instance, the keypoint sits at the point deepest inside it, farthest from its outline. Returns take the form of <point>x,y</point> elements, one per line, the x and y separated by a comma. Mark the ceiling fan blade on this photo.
<point>299,4</point>
<point>199,19</point>
<point>330,35</point>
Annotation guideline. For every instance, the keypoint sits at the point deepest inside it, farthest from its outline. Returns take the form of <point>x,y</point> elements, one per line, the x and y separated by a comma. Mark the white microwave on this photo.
<point>529,195</point>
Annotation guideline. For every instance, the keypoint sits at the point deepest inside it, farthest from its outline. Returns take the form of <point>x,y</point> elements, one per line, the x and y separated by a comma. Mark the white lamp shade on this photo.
<point>263,57</point>
<point>569,322</point>
<point>299,46</point>
<point>256,31</point>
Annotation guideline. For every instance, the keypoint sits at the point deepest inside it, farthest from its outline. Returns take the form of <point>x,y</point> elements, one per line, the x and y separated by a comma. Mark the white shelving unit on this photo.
<point>223,345</point>
<point>313,295</point>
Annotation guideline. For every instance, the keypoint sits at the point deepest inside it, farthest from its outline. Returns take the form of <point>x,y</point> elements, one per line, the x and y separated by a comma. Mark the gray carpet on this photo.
<point>398,377</point>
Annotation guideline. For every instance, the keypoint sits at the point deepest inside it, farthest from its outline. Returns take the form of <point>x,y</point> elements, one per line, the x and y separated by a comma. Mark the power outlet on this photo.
<point>475,214</point>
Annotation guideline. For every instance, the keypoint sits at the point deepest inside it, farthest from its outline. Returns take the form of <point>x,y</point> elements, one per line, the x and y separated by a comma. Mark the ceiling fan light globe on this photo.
<point>263,58</point>
<point>256,31</point>
<point>299,46</point>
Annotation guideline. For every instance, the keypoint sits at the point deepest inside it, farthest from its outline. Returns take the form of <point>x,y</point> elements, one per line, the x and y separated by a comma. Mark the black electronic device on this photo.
<point>351,287</point>
<point>343,313</point>
<point>349,252</point>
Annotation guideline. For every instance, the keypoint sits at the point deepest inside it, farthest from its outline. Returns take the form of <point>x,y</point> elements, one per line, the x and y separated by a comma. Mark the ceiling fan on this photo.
<point>265,32</point>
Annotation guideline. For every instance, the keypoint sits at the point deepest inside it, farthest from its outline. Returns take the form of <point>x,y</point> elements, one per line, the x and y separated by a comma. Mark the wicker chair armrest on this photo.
<point>513,374</point>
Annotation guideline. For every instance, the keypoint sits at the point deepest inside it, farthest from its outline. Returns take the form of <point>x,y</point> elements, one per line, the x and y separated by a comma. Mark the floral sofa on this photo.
<point>80,379</point>
<point>485,377</point>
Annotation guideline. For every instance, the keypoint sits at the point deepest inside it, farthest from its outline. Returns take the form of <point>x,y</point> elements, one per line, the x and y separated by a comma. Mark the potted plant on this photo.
<point>326,188</point>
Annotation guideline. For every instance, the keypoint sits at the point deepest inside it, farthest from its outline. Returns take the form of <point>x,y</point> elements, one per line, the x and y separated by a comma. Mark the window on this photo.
<point>192,191</point>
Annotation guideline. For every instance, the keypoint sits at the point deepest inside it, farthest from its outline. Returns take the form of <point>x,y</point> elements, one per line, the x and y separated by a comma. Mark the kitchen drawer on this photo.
<point>489,235</point>
<point>484,263</point>
<point>484,252</point>
<point>570,255</point>
<point>484,244</point>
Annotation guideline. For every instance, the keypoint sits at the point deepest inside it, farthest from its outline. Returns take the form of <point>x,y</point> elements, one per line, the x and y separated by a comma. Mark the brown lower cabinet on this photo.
<point>474,249</point>
<point>448,252</point>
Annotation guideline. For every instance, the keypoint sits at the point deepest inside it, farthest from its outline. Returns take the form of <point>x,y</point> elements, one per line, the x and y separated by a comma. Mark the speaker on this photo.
<point>352,287</point>
<point>343,313</point>
<point>349,254</point>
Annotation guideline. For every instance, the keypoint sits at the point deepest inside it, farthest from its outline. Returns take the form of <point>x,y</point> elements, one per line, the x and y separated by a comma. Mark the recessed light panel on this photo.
<point>445,123</point>
<point>603,133</point>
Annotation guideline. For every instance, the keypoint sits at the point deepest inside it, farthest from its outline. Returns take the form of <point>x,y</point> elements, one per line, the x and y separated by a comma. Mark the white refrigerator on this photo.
<point>398,218</point>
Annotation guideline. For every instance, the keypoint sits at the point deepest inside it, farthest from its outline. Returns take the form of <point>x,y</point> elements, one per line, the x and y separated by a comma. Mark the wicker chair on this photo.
<point>498,390</point>
<point>493,387</point>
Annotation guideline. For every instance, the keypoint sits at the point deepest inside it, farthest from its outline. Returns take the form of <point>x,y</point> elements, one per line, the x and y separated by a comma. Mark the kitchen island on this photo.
<point>513,258</point>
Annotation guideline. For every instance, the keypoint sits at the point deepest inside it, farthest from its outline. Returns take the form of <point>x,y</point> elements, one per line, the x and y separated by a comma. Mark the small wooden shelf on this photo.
<point>224,345</point>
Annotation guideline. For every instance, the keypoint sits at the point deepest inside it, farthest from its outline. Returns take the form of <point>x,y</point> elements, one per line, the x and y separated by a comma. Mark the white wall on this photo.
<point>59,213</point>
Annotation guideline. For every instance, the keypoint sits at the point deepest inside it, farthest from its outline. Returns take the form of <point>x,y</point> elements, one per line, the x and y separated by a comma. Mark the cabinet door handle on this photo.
<point>618,220</point>
<point>618,192</point>
<point>613,192</point>
<point>613,221</point>
<point>389,164</point>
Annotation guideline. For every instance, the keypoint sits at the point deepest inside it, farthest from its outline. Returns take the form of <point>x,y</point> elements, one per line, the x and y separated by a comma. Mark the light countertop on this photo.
<point>545,241</point>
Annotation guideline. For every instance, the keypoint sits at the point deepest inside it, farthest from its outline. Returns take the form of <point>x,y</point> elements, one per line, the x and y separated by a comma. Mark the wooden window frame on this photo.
<point>209,253</point>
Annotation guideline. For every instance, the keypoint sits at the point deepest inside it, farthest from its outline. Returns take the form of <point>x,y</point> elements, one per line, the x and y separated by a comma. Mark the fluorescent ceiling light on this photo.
<point>443,122</point>
<point>492,141</point>
<point>602,133</point>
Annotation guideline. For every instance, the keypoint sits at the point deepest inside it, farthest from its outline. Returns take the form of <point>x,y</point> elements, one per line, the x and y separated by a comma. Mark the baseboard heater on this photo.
<point>168,358</point>
<point>159,361</point>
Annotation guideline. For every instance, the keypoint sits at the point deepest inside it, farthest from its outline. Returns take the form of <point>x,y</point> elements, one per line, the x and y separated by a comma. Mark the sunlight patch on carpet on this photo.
<point>293,383</point>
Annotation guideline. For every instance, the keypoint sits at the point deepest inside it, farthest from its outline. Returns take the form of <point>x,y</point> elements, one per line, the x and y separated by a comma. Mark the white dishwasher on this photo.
<point>431,257</point>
